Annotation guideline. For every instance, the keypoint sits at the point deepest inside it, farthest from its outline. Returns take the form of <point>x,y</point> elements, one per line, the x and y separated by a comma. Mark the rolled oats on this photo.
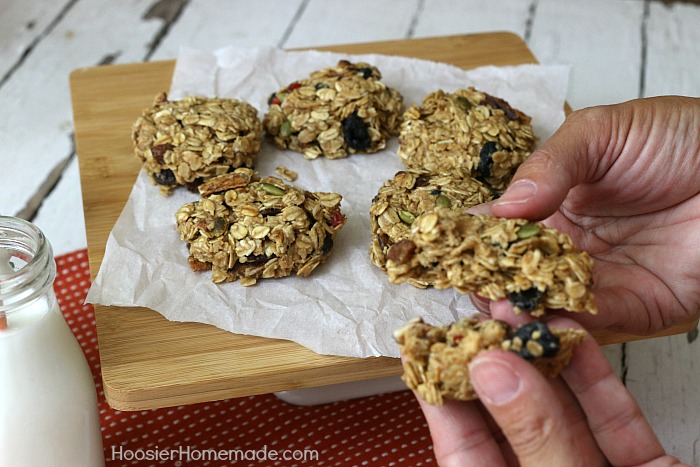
<point>468,129</point>
<point>246,227</point>
<point>191,140</point>
<point>533,266</point>
<point>436,358</point>
<point>412,193</point>
<point>337,111</point>
<point>286,173</point>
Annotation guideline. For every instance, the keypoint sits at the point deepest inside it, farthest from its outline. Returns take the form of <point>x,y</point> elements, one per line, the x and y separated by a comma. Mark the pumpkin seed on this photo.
<point>407,217</point>
<point>443,201</point>
<point>272,189</point>
<point>528,230</point>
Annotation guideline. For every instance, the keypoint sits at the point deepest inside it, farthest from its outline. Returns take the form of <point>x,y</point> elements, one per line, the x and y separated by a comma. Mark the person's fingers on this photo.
<point>540,428</point>
<point>614,417</point>
<point>460,435</point>
<point>569,157</point>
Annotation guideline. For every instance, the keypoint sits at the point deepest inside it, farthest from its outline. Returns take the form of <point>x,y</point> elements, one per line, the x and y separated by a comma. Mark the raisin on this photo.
<point>401,252</point>
<point>193,186</point>
<point>422,180</point>
<point>356,134</point>
<point>270,212</point>
<point>540,339</point>
<point>165,177</point>
<point>383,240</point>
<point>526,300</point>
<point>366,72</point>
<point>485,160</point>
<point>500,104</point>
<point>159,151</point>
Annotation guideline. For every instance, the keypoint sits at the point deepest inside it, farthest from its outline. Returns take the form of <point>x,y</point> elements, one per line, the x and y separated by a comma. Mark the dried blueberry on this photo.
<point>366,72</point>
<point>327,245</point>
<point>356,134</point>
<point>165,177</point>
<point>535,340</point>
<point>485,160</point>
<point>526,300</point>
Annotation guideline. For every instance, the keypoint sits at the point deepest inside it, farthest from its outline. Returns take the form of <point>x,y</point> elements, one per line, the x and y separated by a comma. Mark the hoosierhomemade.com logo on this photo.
<point>184,454</point>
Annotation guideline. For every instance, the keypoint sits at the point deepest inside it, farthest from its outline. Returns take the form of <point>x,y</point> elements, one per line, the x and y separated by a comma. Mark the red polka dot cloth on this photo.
<point>383,430</point>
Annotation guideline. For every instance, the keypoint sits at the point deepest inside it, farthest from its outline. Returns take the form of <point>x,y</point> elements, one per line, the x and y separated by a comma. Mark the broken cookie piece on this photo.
<point>337,111</point>
<point>246,227</point>
<point>533,266</point>
<point>184,142</point>
<point>412,193</point>
<point>468,129</point>
<point>436,359</point>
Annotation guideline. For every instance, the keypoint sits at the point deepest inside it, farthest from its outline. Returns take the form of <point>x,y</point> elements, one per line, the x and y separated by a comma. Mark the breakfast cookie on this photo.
<point>468,129</point>
<point>436,359</point>
<point>412,193</point>
<point>188,141</point>
<point>341,110</point>
<point>246,227</point>
<point>533,266</point>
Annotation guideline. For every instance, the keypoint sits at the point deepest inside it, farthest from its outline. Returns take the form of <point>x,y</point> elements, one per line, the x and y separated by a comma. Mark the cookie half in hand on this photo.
<point>436,358</point>
<point>534,266</point>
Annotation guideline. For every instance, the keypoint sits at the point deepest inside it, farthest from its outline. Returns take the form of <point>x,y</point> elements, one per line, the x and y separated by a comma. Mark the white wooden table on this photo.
<point>617,50</point>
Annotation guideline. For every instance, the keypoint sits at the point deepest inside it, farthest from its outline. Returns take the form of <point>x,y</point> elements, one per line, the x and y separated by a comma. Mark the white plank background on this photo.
<point>617,50</point>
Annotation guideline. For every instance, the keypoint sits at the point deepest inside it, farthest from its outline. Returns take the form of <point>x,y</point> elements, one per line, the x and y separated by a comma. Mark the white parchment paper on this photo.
<point>346,307</point>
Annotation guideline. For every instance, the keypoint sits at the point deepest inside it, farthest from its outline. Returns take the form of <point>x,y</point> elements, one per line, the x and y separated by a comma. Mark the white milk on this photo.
<point>48,404</point>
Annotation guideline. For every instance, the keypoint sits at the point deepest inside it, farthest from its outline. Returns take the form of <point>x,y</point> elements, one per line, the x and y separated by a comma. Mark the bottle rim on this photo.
<point>25,242</point>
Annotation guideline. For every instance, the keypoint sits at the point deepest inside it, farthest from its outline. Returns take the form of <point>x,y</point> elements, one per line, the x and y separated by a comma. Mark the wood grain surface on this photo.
<point>149,362</point>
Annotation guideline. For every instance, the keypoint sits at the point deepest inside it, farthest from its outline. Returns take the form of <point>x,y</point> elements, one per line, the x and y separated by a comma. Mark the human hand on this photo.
<point>622,181</point>
<point>585,417</point>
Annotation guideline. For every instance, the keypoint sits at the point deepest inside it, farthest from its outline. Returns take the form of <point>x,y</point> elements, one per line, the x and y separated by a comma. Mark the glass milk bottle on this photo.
<point>48,404</point>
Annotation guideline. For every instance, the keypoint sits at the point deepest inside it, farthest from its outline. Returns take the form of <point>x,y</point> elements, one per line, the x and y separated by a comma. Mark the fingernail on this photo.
<point>495,381</point>
<point>480,303</point>
<point>519,192</point>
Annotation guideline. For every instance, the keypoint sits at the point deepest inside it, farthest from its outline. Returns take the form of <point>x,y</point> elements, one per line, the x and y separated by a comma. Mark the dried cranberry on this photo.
<point>356,133</point>
<point>337,218</point>
<point>165,177</point>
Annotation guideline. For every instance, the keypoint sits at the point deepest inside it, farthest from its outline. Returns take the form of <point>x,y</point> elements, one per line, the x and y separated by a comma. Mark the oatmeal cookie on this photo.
<point>337,111</point>
<point>436,359</point>
<point>191,140</point>
<point>469,129</point>
<point>412,193</point>
<point>533,266</point>
<point>246,227</point>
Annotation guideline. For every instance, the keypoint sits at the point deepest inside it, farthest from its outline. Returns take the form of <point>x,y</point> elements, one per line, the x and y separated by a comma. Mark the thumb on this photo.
<point>532,416</point>
<point>569,157</point>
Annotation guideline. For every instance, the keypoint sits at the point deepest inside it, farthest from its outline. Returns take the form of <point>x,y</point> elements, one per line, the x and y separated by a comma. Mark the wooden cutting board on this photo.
<point>149,362</point>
